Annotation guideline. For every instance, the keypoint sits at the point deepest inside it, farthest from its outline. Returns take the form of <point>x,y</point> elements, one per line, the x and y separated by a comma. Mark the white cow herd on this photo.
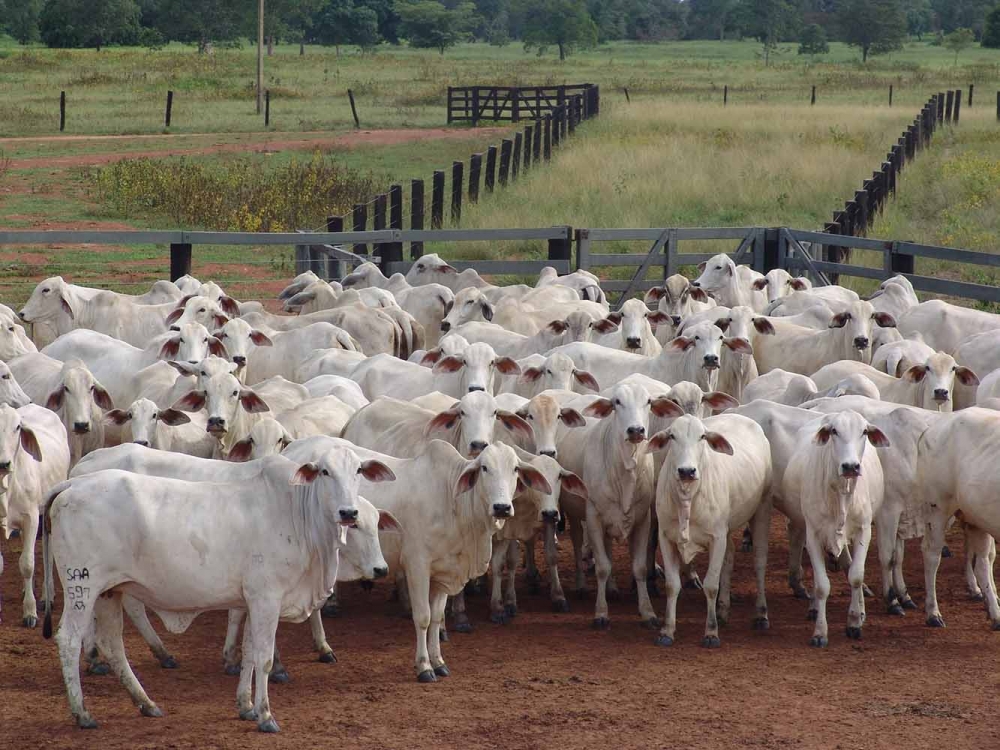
<point>182,451</point>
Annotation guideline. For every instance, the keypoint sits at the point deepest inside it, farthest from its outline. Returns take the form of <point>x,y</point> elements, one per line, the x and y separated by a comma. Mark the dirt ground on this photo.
<point>548,680</point>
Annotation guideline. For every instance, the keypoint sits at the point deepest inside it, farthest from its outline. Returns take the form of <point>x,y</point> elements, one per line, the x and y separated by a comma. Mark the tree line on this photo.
<point>874,26</point>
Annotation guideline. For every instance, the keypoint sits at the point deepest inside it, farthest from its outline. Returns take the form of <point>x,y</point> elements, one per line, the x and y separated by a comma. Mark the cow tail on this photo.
<point>46,523</point>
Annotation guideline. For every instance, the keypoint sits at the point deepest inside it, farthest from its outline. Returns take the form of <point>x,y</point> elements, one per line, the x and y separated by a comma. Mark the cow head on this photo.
<point>48,301</point>
<point>77,397</point>
<point>544,414</point>
<point>475,416</point>
<point>221,396</point>
<point>478,365</point>
<point>469,305</point>
<point>10,392</point>
<point>15,436</point>
<point>142,417</point>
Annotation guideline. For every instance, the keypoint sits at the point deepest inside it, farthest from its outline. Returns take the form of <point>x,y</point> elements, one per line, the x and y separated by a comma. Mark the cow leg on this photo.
<point>244,699</point>
<point>419,584</point>
<point>672,585</point>
<point>29,533</point>
<point>821,590</point>
<point>91,654</point>
<point>278,672</point>
<point>717,552</point>
<point>761,525</point>
<point>533,576</point>
<point>652,540</point>
<point>639,547</point>
<point>136,612</point>
<point>438,601</point>
<point>230,654</point>
<point>580,576</point>
<point>404,593</point>
<point>326,654</point>
<point>603,568</point>
<point>897,577</point>
<point>331,608</point>
<point>931,545</point>
<point>796,542</point>
<point>510,598</point>
<point>262,621</point>
<point>559,603</point>
<point>1,573</point>
<point>723,604</point>
<point>887,524</point>
<point>975,593</point>
<point>108,629</point>
<point>497,614</point>
<point>613,592</point>
<point>856,576</point>
<point>980,545</point>
<point>461,617</point>
<point>72,627</point>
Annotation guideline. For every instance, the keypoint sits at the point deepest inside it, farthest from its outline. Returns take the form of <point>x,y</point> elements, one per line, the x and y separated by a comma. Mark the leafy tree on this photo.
<point>89,23</point>
<point>498,30</point>
<point>771,21</point>
<point>991,30</point>
<point>388,18</point>
<point>875,26</point>
<point>959,40</point>
<point>285,19</point>
<point>959,14</point>
<point>565,24</point>
<point>343,22</point>
<point>813,40</point>
<point>20,19</point>
<point>919,17</point>
<point>429,24</point>
<point>715,15</point>
<point>203,22</point>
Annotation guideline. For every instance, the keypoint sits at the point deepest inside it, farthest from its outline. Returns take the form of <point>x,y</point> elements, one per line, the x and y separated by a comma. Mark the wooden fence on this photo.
<point>516,103</point>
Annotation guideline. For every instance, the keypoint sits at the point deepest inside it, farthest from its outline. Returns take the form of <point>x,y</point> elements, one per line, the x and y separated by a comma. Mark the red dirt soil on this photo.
<point>548,680</point>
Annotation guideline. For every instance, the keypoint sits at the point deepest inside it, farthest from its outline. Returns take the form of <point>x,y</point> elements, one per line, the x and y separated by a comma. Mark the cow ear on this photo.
<point>823,435</point>
<point>682,343</point>
<point>447,307</point>
<point>515,424</point>
<point>376,471</point>
<point>533,478</point>
<point>174,316</point>
<point>507,366</point>
<point>719,401</point>
<point>572,418</point>
<point>530,375</point>
<point>252,403</point>
<point>587,380</point>
<point>300,299</point>
<point>723,324</point>
<point>718,443</point>
<point>572,484</point>
<point>698,294</point>
<point>66,308</point>
<point>654,294</point>
<point>54,402</point>
<point>170,348</point>
<point>660,440</point>
<point>615,317</point>
<point>220,320</point>
<point>101,397</point>
<point>173,417</point>
<point>759,285</point>
<point>388,522</point>
<point>443,421</point>
<point>30,443</point>
<point>738,345</point>
<point>876,437</point>
<point>966,376</point>
<point>604,325</point>
<point>702,265</point>
<point>657,318</point>
<point>430,357</point>
<point>260,339</point>
<point>468,479</point>
<point>600,408</point>
<point>117,417</point>
<point>557,326</point>
<point>662,406</point>
<point>885,320</point>
<point>763,326</point>
<point>487,310</point>
<point>306,474</point>
<point>839,320</point>
<point>184,368</point>
<point>229,306</point>
<point>522,412</point>
<point>915,374</point>
<point>447,269</point>
<point>216,347</point>
<point>191,401</point>
<point>448,364</point>
<point>241,450</point>
<point>799,285</point>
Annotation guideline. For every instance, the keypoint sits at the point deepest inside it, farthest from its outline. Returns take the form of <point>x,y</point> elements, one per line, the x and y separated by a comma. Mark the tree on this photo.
<point>429,24</point>
<point>89,23</point>
<point>771,21</point>
<point>714,15</point>
<point>20,19</point>
<point>919,17</point>
<point>875,26</point>
<point>343,22</point>
<point>959,40</point>
<point>813,40</point>
<point>565,24</point>
<point>203,22</point>
<point>991,30</point>
<point>284,19</point>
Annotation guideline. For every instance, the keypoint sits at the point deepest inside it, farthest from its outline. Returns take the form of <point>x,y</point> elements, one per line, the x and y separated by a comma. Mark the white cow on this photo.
<point>792,389</point>
<point>231,407</point>
<point>894,296</point>
<point>319,295</point>
<point>897,357</point>
<point>715,477</point>
<point>328,362</point>
<point>778,283</point>
<point>13,340</point>
<point>678,299</point>
<point>738,369</point>
<point>587,285</point>
<point>544,415</point>
<point>373,329</point>
<point>144,423</point>
<point>514,345</point>
<point>980,353</point>
<point>944,326</point>
<point>334,385</point>
<point>541,373</point>
<point>11,392</point>
<point>729,284</point>
<point>635,328</point>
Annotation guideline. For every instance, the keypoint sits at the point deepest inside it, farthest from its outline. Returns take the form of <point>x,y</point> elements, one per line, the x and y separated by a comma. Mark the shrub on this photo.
<point>813,40</point>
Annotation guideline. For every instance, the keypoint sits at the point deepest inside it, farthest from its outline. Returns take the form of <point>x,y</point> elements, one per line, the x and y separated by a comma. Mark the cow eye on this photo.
<point>45,291</point>
<point>485,470</point>
<point>530,416</point>
<point>182,340</point>
<point>201,310</point>
<point>718,268</point>
<point>697,338</point>
<point>548,372</point>
<point>833,431</point>
<point>11,329</point>
<point>204,374</point>
<point>235,393</point>
<point>618,402</point>
<point>325,473</point>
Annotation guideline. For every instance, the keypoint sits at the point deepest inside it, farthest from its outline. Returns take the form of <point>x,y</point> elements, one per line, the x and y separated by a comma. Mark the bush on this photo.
<point>991,31</point>
<point>813,40</point>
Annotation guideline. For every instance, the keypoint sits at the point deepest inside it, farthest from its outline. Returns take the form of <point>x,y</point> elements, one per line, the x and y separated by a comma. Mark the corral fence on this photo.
<point>516,103</point>
<point>815,254</point>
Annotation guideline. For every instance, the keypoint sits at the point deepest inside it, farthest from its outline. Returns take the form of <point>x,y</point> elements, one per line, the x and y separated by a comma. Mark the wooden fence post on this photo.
<point>180,260</point>
<point>571,119</point>
<point>940,107</point>
<point>628,99</point>
<point>505,149</point>
<point>950,103</point>
<point>971,87</point>
<point>998,105</point>
<point>861,223</point>
<point>515,157</point>
<point>475,106</point>
<point>958,105</point>
<point>900,263</point>
<point>831,253</point>
<point>170,106</point>
<point>416,215</point>
<point>393,252</point>
<point>890,94</point>
<point>437,200</point>
<point>491,168</point>
<point>378,215</point>
<point>536,146</point>
<point>475,168</point>
<point>725,95</point>
<point>812,99</point>
<point>515,112</point>
<point>333,266</point>
<point>556,129</point>
<point>62,114</point>
<point>267,108</point>
<point>359,222</point>
<point>451,97</point>
<point>562,248</point>
<point>354,109</point>
<point>456,192</point>
<point>547,138</point>
<point>563,121</point>
<point>529,132</point>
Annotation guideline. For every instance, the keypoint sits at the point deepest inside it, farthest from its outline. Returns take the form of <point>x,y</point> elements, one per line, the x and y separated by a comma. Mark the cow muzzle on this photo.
<point>348,516</point>
<point>381,572</point>
<point>635,434</point>
<point>941,395</point>
<point>477,447</point>
<point>81,428</point>
<point>633,342</point>
<point>850,470</point>
<point>550,516</point>
<point>861,342</point>
<point>550,452</point>
<point>216,426</point>
<point>445,326</point>
<point>4,468</point>
<point>503,510</point>
<point>240,361</point>
<point>143,443</point>
<point>687,473</point>
<point>710,362</point>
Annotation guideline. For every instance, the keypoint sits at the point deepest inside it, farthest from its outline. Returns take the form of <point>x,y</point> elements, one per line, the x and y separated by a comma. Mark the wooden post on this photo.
<point>475,106</point>
<point>475,169</point>
<point>267,108</point>
<point>998,105</point>
<point>812,99</point>
<point>556,129</point>
<point>515,157</point>
<point>536,146</point>
<point>529,132</point>
<point>180,260</point>
<point>378,215</point>
<point>170,106</point>
<point>354,109</point>
<point>971,87</point>
<point>491,168</point>
<point>359,222</point>
<point>861,223</point>
<point>416,215</point>
<point>725,95</point>
<point>831,253</point>
<point>890,94</point>
<point>505,149</point>
<point>950,103</point>
<point>456,192</point>
<point>515,111</point>
<point>562,248</point>
<point>628,99</point>
<point>772,244</point>
<point>437,200</point>
<point>563,121</point>
<point>900,263</point>
<point>333,266</point>
<point>958,105</point>
<point>392,252</point>
<point>451,98</point>
<point>62,114</point>
<point>940,107</point>
<point>547,138</point>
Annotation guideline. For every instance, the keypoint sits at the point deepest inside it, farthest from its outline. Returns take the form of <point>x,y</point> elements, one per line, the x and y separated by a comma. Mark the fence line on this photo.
<point>514,103</point>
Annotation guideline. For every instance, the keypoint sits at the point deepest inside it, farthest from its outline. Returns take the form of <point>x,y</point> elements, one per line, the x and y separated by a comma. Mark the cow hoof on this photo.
<point>268,727</point>
<point>510,610</point>
<point>442,671</point>
<point>248,715</point>
<point>651,624</point>
<point>560,605</point>
<point>711,641</point>
<point>974,596</point>
<point>280,677</point>
<point>170,663</point>
<point>30,621</point>
<point>328,657</point>
<point>601,623</point>
<point>854,633</point>
<point>761,623</point>
<point>499,618</point>
<point>614,595</point>
<point>664,640</point>
<point>330,610</point>
<point>693,583</point>
<point>463,626</point>
<point>427,676</point>
<point>945,552</point>
<point>908,603</point>
<point>86,722</point>
<point>233,670</point>
<point>99,668</point>
<point>818,641</point>
<point>799,592</point>
<point>996,625</point>
<point>895,609</point>
<point>867,591</point>
<point>443,635</point>
<point>935,621</point>
<point>153,711</point>
<point>812,614</point>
